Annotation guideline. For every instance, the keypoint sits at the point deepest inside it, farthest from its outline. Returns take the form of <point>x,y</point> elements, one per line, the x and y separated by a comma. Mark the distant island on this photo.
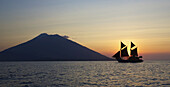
<point>46,47</point>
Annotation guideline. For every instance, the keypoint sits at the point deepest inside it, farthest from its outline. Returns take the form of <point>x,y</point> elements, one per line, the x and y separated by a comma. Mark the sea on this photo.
<point>84,74</point>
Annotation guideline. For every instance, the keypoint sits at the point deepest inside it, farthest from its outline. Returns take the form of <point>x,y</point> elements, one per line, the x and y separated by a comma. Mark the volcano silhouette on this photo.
<point>50,48</point>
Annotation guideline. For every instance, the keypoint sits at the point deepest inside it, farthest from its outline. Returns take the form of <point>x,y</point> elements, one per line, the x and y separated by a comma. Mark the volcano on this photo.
<point>46,47</point>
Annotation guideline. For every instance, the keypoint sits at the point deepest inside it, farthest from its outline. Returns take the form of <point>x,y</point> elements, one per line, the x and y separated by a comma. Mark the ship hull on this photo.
<point>139,61</point>
<point>130,60</point>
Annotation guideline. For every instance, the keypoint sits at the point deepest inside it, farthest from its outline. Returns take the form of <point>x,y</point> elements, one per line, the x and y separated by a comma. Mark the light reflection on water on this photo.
<point>84,73</point>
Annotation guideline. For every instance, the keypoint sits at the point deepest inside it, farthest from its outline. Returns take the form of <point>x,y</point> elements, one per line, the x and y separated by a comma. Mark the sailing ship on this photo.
<point>123,56</point>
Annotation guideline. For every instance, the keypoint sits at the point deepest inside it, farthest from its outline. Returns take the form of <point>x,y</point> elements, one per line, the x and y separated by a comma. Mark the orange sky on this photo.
<point>98,24</point>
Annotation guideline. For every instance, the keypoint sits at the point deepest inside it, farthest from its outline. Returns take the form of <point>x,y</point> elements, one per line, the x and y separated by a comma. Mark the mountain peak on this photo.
<point>43,34</point>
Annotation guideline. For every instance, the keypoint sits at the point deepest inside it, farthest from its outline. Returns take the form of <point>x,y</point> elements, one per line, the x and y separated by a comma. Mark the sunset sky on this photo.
<point>97,24</point>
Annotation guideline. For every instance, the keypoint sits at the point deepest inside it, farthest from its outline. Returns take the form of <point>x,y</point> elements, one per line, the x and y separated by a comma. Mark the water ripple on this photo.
<point>84,73</point>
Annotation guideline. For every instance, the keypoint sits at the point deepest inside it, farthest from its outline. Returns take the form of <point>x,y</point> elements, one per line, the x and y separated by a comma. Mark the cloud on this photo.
<point>65,36</point>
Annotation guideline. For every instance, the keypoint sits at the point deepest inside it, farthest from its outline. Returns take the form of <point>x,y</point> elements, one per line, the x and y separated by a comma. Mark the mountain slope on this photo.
<point>50,47</point>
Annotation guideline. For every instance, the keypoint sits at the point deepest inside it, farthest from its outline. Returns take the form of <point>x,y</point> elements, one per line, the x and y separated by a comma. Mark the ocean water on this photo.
<point>84,74</point>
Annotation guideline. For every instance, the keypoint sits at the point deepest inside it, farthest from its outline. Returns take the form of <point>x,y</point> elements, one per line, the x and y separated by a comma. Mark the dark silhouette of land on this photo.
<point>51,48</point>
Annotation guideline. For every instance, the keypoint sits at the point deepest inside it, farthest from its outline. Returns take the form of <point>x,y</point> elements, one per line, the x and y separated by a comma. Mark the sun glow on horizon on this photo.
<point>98,24</point>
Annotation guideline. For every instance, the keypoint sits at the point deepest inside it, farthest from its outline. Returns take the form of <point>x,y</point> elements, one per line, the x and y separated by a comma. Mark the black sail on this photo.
<point>134,52</point>
<point>122,45</point>
<point>117,55</point>
<point>124,52</point>
<point>132,45</point>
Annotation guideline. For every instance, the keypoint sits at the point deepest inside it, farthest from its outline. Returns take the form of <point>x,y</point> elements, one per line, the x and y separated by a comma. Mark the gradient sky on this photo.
<point>97,24</point>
